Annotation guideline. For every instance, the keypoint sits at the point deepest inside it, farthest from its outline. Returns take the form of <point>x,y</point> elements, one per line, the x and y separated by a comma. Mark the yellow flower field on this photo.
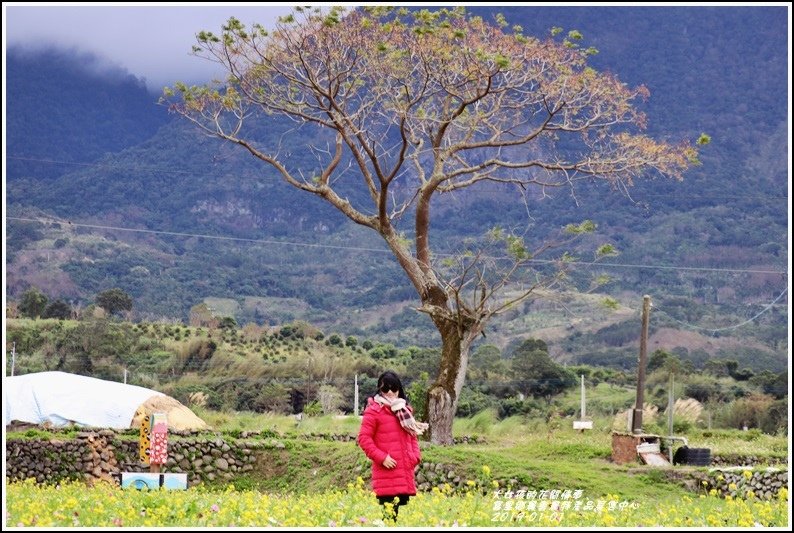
<point>76,505</point>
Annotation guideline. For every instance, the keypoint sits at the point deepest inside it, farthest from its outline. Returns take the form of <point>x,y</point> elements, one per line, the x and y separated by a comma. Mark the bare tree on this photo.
<point>420,104</point>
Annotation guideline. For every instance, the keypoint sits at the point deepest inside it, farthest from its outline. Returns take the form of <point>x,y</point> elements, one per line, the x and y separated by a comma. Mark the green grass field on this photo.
<point>536,435</point>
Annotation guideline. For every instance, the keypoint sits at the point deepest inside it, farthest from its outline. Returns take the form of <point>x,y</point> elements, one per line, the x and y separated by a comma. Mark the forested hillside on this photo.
<point>70,108</point>
<point>221,229</point>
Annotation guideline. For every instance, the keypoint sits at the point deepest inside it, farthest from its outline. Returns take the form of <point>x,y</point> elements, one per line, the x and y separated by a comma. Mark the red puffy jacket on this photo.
<point>381,434</point>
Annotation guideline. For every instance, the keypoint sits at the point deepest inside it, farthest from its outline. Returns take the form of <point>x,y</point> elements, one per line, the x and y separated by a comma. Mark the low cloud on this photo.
<point>150,42</point>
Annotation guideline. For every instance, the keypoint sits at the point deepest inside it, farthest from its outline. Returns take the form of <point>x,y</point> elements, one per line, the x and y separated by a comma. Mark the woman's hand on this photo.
<point>389,462</point>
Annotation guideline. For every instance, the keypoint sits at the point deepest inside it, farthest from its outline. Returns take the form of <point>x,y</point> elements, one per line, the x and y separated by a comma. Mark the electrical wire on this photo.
<point>380,250</point>
<point>714,330</point>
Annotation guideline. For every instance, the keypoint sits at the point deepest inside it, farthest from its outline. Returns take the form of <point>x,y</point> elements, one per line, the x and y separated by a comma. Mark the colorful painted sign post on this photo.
<point>153,451</point>
<point>158,451</point>
<point>144,442</point>
<point>153,443</point>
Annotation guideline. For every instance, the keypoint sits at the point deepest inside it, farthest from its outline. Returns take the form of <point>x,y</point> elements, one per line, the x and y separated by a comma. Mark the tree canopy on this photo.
<point>114,301</point>
<point>536,373</point>
<point>33,303</point>
<point>424,103</point>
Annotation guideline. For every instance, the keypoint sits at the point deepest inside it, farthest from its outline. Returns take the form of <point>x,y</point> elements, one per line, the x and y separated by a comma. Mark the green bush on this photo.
<point>334,340</point>
<point>313,409</point>
<point>749,411</point>
<point>417,394</point>
<point>775,419</point>
<point>274,397</point>
<point>515,406</point>
<point>473,401</point>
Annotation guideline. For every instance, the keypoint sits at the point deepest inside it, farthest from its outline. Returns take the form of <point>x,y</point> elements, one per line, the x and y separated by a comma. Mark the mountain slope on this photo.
<point>70,107</point>
<point>716,70</point>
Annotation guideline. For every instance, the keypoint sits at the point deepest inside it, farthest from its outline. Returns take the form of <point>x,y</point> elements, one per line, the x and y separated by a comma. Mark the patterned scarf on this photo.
<point>407,421</point>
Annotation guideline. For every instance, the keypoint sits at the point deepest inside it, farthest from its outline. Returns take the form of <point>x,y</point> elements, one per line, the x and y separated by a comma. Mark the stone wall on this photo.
<point>94,456</point>
<point>763,483</point>
<point>746,460</point>
<point>89,457</point>
<point>97,456</point>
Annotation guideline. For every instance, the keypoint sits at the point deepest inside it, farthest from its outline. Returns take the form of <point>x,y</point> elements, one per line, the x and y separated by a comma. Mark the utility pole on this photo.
<point>582,424</point>
<point>670,404</point>
<point>355,397</point>
<point>13,356</point>
<point>636,425</point>
<point>670,414</point>
<point>125,375</point>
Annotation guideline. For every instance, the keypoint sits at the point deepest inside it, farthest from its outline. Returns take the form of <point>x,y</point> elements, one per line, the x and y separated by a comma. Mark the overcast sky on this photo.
<point>151,42</point>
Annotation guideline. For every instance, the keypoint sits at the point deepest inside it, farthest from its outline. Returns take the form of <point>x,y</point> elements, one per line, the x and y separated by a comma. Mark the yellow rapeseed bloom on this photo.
<point>44,507</point>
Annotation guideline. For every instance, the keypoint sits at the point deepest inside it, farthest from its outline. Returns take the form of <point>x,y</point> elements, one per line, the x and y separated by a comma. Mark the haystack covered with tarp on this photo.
<point>59,399</point>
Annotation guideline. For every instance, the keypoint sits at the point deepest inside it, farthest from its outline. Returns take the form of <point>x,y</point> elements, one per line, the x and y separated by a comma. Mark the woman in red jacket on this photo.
<point>388,437</point>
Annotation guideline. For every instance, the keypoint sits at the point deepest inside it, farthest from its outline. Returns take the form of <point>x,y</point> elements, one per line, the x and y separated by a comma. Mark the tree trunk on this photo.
<point>442,398</point>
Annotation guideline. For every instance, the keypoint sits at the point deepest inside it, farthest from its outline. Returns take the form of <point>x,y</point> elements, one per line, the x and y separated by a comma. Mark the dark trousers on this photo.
<point>396,502</point>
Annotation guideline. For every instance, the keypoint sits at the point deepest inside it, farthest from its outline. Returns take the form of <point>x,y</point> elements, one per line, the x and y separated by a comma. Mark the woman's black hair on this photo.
<point>390,378</point>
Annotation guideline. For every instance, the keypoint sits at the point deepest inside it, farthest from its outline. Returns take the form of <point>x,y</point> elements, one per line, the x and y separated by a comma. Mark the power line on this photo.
<point>381,250</point>
<point>711,196</point>
<point>198,235</point>
<point>714,330</point>
<point>116,166</point>
<point>671,267</point>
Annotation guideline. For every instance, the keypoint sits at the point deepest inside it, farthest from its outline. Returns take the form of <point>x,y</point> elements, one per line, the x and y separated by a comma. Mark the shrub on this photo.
<point>702,390</point>
<point>58,309</point>
<point>273,397</point>
<point>775,418</point>
<point>417,394</point>
<point>473,401</point>
<point>516,406</point>
<point>313,409</point>
<point>749,411</point>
